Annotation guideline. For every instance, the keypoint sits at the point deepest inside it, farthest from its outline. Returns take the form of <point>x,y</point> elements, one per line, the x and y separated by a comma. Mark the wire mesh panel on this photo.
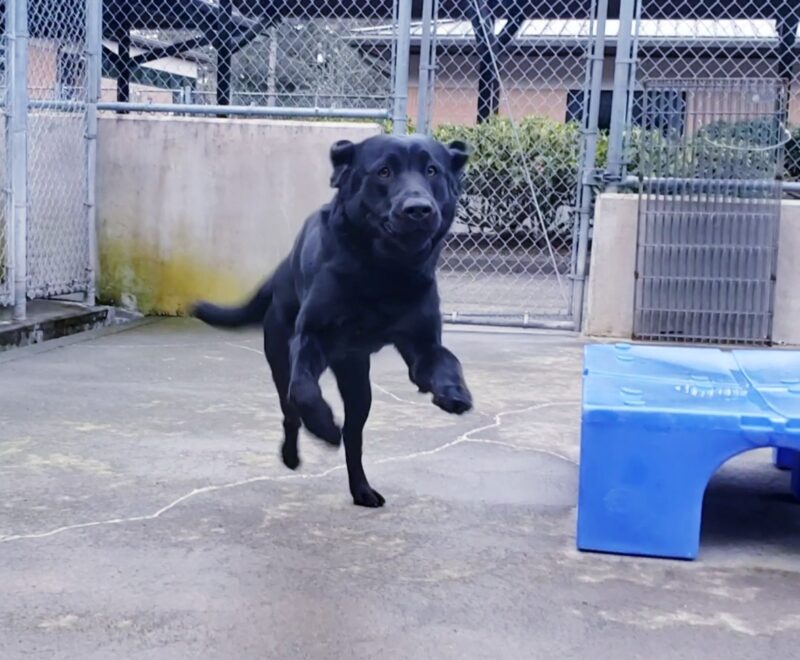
<point>57,233</point>
<point>510,79</point>
<point>269,53</point>
<point>711,160</point>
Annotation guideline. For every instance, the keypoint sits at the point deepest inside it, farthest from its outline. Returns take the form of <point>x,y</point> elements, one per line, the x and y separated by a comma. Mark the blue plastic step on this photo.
<point>659,421</point>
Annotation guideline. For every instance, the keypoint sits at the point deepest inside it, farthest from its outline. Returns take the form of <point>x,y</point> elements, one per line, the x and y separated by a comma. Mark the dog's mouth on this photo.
<point>410,242</point>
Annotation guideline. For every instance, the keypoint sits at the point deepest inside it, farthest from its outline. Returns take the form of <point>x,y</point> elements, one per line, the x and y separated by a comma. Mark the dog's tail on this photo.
<point>251,313</point>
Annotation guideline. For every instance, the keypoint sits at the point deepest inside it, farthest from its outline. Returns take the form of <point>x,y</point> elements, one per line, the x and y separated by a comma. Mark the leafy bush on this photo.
<point>718,150</point>
<point>522,178</point>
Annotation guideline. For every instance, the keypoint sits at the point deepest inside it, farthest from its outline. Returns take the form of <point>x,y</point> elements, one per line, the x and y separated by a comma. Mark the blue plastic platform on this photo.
<point>659,421</point>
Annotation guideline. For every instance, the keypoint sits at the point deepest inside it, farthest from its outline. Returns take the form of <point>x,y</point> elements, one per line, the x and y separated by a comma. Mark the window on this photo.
<point>575,107</point>
<point>666,109</point>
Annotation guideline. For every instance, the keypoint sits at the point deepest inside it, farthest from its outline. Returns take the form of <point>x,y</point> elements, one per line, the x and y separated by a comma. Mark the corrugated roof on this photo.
<point>570,30</point>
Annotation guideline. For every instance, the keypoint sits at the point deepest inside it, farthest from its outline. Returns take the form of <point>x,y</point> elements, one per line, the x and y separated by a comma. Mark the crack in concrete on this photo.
<point>399,399</point>
<point>465,437</point>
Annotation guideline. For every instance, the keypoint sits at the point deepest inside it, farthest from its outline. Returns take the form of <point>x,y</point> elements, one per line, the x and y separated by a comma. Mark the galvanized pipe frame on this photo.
<point>620,107</point>
<point>17,150</point>
<point>427,53</point>
<point>94,67</point>
<point>247,111</point>
<point>671,185</point>
<point>588,161</point>
<point>402,58</point>
<point>8,247</point>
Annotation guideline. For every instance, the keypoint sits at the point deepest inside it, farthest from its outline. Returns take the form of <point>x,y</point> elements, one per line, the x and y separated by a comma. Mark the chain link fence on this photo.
<point>510,80</point>
<point>46,231</point>
<point>68,60</point>
<point>249,54</point>
<point>550,94</point>
<point>58,260</point>
<point>552,97</point>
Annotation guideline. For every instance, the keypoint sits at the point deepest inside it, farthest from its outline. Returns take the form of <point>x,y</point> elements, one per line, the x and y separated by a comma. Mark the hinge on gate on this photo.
<point>611,177</point>
<point>602,178</point>
<point>594,178</point>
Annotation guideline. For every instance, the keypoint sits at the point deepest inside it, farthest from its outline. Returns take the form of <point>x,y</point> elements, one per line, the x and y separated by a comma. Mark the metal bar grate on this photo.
<point>706,255</point>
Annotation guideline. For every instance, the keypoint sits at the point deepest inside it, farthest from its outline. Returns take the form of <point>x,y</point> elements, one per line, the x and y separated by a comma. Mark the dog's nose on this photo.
<point>417,209</point>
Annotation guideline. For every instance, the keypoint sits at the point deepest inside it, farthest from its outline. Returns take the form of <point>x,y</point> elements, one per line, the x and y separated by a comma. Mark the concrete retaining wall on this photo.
<point>193,207</point>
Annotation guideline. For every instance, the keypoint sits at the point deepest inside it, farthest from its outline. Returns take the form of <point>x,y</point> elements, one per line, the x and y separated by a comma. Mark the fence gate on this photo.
<point>514,85</point>
<point>711,156</point>
<point>51,84</point>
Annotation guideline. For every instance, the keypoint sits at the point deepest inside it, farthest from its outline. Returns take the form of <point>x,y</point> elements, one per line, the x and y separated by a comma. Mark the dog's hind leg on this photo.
<point>276,348</point>
<point>352,377</point>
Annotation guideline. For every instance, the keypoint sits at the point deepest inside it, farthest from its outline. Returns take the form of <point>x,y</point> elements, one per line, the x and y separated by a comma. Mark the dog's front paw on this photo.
<point>454,399</point>
<point>364,495</point>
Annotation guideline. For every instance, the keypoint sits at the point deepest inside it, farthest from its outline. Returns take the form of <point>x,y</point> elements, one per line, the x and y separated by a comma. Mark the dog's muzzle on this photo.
<point>414,220</point>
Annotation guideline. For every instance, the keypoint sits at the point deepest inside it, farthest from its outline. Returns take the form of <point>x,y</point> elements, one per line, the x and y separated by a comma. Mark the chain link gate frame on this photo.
<point>523,82</point>
<point>51,77</point>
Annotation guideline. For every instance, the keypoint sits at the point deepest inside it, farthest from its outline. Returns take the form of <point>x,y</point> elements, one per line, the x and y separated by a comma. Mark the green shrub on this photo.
<point>521,178</point>
<point>718,150</point>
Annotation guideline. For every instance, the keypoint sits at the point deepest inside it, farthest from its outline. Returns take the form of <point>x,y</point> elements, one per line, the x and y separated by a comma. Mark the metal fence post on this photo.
<point>94,46</point>
<point>589,158</point>
<point>624,60</point>
<point>425,67</point>
<point>17,145</point>
<point>7,250</point>
<point>402,56</point>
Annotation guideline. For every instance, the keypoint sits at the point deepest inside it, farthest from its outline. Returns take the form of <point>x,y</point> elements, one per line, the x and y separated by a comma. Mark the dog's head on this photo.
<point>399,193</point>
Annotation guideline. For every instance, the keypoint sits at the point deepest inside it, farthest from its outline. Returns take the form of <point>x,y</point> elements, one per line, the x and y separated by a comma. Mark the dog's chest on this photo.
<point>369,327</point>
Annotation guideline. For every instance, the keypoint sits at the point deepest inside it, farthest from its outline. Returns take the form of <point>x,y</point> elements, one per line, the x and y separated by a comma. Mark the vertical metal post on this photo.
<point>224,42</point>
<point>425,67</point>
<point>94,47</point>
<point>624,60</point>
<point>17,146</point>
<point>589,156</point>
<point>8,34</point>
<point>402,55</point>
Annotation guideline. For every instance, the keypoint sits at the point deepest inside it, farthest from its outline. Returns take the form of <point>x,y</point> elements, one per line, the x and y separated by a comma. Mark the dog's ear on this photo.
<point>342,153</point>
<point>459,155</point>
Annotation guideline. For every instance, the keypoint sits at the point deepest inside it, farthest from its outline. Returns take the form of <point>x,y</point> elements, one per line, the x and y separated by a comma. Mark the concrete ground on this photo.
<point>144,514</point>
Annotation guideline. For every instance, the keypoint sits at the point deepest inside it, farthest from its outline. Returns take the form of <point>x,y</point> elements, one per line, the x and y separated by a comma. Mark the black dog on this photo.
<point>361,276</point>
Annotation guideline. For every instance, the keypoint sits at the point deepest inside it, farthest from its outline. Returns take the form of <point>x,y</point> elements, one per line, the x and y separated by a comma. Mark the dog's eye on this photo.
<point>384,173</point>
<point>432,171</point>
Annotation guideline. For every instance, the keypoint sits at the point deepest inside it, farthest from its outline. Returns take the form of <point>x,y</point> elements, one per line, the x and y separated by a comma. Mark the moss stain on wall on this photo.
<point>163,286</point>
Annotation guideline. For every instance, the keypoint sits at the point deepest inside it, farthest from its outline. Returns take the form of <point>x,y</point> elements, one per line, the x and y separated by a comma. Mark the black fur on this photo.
<point>361,276</point>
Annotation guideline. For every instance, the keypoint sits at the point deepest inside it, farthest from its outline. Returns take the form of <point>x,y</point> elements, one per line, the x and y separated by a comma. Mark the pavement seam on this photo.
<point>465,437</point>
